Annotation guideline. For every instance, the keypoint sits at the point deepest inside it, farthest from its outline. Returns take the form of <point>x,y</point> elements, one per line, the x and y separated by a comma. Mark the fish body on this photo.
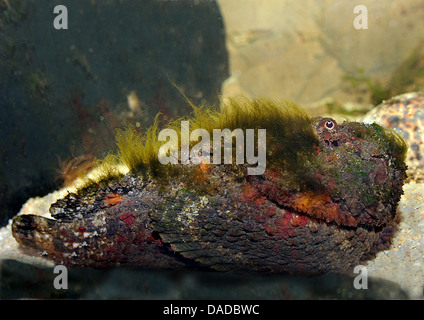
<point>326,200</point>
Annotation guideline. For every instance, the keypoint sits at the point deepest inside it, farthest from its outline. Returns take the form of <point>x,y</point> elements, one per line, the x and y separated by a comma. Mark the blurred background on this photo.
<point>63,93</point>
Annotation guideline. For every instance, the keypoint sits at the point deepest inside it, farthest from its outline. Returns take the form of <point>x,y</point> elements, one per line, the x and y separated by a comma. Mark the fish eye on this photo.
<point>329,125</point>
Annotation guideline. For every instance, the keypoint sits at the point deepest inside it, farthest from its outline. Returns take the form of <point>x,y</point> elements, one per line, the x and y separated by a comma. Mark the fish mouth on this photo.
<point>330,213</point>
<point>32,231</point>
<point>24,228</point>
<point>319,206</point>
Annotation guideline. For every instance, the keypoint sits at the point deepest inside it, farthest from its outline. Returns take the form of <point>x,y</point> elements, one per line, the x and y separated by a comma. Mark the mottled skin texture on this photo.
<point>214,216</point>
<point>405,114</point>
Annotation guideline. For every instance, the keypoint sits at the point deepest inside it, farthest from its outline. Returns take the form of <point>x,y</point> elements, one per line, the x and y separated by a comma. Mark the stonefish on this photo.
<point>326,200</point>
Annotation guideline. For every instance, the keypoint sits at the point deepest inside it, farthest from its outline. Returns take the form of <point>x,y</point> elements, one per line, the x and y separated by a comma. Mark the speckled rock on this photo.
<point>405,114</point>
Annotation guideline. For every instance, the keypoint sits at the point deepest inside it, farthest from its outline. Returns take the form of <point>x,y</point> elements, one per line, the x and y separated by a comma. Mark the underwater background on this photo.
<point>63,94</point>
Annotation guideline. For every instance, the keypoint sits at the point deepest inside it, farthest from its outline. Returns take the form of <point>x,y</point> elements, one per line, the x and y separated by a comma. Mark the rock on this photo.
<point>404,114</point>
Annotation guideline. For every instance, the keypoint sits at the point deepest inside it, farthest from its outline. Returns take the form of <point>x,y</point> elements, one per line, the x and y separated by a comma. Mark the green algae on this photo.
<point>393,141</point>
<point>289,132</point>
<point>292,142</point>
